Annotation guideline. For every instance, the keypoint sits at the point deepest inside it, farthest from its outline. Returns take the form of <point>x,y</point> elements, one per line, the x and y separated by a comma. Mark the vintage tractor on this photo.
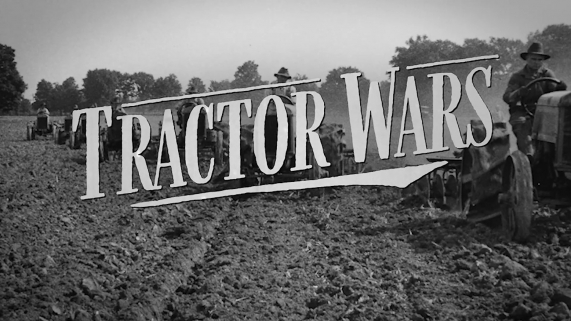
<point>41,126</point>
<point>497,180</point>
<point>206,137</point>
<point>332,139</point>
<point>64,133</point>
<point>79,136</point>
<point>110,139</point>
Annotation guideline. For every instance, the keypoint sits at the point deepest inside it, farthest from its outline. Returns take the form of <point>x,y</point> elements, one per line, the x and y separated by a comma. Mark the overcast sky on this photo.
<point>58,39</point>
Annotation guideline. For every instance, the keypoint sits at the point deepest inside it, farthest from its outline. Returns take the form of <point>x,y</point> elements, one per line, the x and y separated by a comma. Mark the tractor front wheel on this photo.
<point>72,140</point>
<point>517,196</point>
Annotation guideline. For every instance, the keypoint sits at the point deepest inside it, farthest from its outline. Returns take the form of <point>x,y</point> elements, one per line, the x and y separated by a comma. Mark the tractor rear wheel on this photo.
<point>71,140</point>
<point>55,134</point>
<point>517,196</point>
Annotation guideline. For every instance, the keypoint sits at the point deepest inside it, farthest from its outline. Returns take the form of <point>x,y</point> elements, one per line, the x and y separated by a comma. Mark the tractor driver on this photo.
<point>515,94</point>
<point>43,110</point>
<point>183,111</point>
<point>114,134</point>
<point>282,76</point>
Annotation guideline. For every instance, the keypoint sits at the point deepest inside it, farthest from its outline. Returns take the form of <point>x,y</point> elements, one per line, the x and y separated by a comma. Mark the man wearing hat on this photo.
<point>282,77</point>
<point>515,94</point>
<point>114,133</point>
<point>183,111</point>
<point>43,110</point>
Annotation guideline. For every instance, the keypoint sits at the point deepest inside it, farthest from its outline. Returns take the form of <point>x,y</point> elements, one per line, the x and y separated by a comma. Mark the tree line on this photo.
<point>100,85</point>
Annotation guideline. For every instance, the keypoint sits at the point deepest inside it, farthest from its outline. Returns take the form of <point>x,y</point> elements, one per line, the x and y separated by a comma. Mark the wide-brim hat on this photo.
<point>116,100</point>
<point>536,48</point>
<point>191,90</point>
<point>283,72</point>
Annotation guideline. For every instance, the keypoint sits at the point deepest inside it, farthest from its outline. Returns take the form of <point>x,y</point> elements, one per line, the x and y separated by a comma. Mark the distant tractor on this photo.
<point>41,126</point>
<point>64,133</point>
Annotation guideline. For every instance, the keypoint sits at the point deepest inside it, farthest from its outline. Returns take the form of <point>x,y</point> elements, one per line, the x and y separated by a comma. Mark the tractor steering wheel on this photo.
<point>533,82</point>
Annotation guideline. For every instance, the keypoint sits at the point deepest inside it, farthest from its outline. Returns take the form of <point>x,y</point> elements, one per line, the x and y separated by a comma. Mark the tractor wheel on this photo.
<point>72,140</point>
<point>517,196</point>
<point>438,189</point>
<point>219,148</point>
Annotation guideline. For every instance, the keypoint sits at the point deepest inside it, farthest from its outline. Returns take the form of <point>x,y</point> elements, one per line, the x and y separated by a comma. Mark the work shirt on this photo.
<point>283,91</point>
<point>183,111</point>
<point>521,79</point>
<point>42,111</point>
<point>114,133</point>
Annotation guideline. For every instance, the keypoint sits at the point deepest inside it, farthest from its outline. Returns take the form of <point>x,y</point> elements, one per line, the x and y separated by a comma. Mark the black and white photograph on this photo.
<point>285,160</point>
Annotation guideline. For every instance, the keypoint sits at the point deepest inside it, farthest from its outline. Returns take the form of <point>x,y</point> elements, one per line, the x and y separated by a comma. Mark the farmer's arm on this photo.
<point>513,92</point>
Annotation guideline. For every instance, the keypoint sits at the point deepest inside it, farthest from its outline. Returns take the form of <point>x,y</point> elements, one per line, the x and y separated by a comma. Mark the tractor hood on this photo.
<point>556,99</point>
<point>551,116</point>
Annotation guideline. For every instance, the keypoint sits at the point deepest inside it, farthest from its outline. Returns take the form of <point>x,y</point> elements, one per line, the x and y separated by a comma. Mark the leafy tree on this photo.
<point>304,87</point>
<point>67,95</point>
<point>423,50</point>
<point>99,86</point>
<point>166,87</point>
<point>59,97</point>
<point>197,83</point>
<point>25,107</point>
<point>556,41</point>
<point>247,76</point>
<point>128,89</point>
<point>145,82</point>
<point>508,50</point>
<point>333,90</point>
<point>220,85</point>
<point>12,85</point>
<point>45,92</point>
